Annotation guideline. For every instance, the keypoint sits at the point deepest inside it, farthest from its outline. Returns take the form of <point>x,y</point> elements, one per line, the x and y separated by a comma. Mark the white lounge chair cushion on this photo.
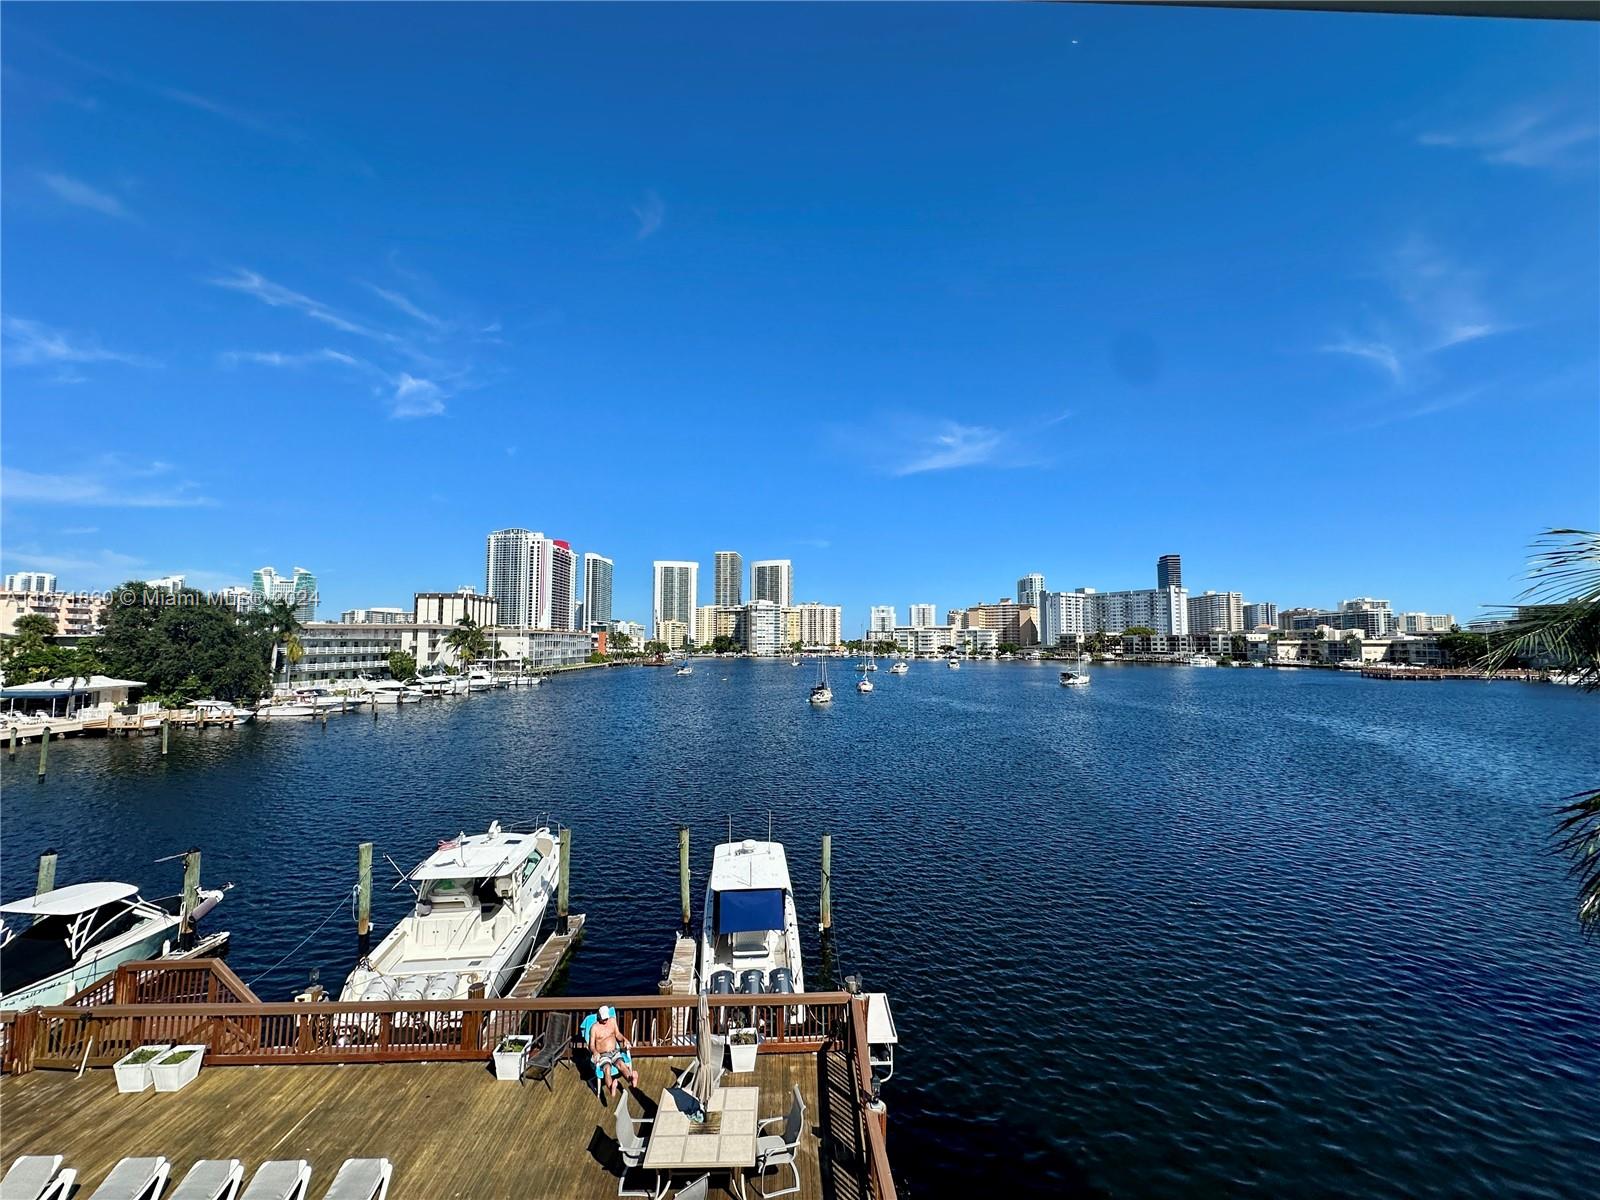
<point>281,1179</point>
<point>209,1179</point>
<point>132,1179</point>
<point>361,1179</point>
<point>29,1176</point>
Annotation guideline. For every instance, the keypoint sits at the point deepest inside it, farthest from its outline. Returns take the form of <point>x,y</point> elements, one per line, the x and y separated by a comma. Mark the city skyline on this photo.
<point>960,334</point>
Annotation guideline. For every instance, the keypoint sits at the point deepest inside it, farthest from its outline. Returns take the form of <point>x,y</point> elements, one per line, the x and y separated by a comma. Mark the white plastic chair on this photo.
<point>632,1143</point>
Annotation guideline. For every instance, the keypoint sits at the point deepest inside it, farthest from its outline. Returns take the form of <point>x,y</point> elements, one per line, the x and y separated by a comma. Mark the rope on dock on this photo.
<point>337,905</point>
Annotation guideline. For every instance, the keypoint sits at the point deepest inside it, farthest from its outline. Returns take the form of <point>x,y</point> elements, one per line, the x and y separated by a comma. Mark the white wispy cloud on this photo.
<point>103,568</point>
<point>651,213</point>
<point>81,195</point>
<point>1431,303</point>
<point>415,397</point>
<point>31,343</point>
<point>276,295</point>
<point>274,358</point>
<point>1533,135</point>
<point>109,482</point>
<point>405,305</point>
<point>951,446</point>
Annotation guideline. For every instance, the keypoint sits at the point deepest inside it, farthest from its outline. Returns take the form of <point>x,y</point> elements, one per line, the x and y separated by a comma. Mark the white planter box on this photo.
<point>511,1058</point>
<point>135,1076</point>
<point>169,1076</point>
<point>742,1058</point>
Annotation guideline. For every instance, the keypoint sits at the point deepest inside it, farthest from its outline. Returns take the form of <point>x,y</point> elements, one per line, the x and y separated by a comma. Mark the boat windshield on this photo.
<point>41,950</point>
<point>449,891</point>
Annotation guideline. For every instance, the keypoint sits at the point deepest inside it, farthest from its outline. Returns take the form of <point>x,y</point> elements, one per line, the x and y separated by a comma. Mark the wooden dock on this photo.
<point>450,1129</point>
<point>548,960</point>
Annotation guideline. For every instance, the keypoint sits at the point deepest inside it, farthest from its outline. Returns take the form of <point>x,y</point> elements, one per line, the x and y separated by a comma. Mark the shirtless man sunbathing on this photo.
<point>610,1050</point>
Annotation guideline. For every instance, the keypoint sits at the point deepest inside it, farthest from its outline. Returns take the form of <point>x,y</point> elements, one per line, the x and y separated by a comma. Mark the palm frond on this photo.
<point>1577,836</point>
<point>1558,619</point>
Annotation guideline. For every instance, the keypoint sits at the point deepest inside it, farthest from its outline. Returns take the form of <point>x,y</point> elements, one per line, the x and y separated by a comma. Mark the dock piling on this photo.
<point>826,924</point>
<point>47,875</point>
<point>683,873</point>
<point>561,893</point>
<point>44,750</point>
<point>191,897</point>
<point>364,896</point>
<point>165,725</point>
<point>11,752</point>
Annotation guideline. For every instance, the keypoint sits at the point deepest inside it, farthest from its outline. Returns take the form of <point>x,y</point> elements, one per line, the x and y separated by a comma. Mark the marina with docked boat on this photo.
<point>97,977</point>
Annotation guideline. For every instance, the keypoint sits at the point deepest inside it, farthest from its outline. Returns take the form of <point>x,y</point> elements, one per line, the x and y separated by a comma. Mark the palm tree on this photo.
<point>467,639</point>
<point>1558,626</point>
<point>278,619</point>
<point>293,652</point>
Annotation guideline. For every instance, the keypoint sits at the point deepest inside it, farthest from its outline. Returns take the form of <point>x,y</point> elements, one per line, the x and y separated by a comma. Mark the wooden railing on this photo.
<point>236,1033</point>
<point>166,981</point>
<point>874,1118</point>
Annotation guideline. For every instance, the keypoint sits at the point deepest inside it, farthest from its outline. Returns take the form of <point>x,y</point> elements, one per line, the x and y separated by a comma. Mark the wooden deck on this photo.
<point>450,1129</point>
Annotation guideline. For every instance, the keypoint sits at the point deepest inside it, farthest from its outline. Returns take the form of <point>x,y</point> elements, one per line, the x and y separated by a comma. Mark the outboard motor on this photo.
<point>381,988</point>
<point>781,980</point>
<point>410,989</point>
<point>721,983</point>
<point>750,983</point>
<point>441,986</point>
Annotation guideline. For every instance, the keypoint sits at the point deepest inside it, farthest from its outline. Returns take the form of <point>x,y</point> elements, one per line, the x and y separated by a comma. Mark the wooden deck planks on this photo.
<point>451,1129</point>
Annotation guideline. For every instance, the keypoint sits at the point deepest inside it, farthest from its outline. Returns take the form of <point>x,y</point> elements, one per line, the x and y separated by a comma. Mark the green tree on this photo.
<point>469,642</point>
<point>796,646</point>
<point>854,645</point>
<point>620,642</point>
<point>29,656</point>
<point>597,657</point>
<point>1558,626</point>
<point>1097,642</point>
<point>181,646</point>
<point>884,646</point>
<point>276,618</point>
<point>1009,647</point>
<point>723,644</point>
<point>1461,649</point>
<point>402,666</point>
<point>655,648</point>
<point>1138,631</point>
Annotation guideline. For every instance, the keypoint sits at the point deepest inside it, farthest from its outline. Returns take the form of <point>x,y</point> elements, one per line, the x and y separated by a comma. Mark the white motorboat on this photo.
<point>292,705</point>
<point>899,667</point>
<point>863,685</point>
<point>480,902</point>
<point>1085,658</point>
<point>442,685</point>
<point>953,663</point>
<point>794,662</point>
<point>479,679</point>
<point>59,942</point>
<point>821,693</point>
<point>220,711</point>
<point>750,939</point>
<point>1074,679</point>
<point>686,668</point>
<point>387,691</point>
<point>1200,660</point>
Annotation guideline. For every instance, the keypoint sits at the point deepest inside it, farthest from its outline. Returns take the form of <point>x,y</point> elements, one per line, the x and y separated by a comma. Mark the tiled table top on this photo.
<point>677,1143</point>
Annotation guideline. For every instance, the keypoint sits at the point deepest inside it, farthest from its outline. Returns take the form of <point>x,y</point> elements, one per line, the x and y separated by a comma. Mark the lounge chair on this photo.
<point>37,1177</point>
<point>632,1144</point>
<point>779,1150</point>
<point>134,1179</point>
<point>361,1179</point>
<point>599,1071</point>
<point>211,1179</point>
<point>281,1179</point>
<point>555,1046</point>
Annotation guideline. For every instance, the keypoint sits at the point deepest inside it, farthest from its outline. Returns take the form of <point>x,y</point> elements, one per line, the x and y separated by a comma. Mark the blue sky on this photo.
<point>922,298</point>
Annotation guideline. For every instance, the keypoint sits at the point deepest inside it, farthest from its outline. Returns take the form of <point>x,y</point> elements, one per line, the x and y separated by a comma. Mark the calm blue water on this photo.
<point>1184,932</point>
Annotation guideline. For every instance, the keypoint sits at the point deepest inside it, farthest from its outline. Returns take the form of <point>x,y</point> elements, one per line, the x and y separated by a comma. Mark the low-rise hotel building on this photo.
<point>76,614</point>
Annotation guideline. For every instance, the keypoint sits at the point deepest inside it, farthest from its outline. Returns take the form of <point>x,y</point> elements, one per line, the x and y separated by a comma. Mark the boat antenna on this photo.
<point>730,829</point>
<point>769,824</point>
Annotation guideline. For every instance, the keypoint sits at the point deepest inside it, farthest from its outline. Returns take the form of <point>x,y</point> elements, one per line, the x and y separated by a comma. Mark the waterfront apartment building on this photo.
<point>1065,617</point>
<point>170,584</point>
<point>598,571</point>
<point>533,578</point>
<point>773,579</point>
<point>299,590</point>
<point>30,581</point>
<point>931,641</point>
<point>818,624</point>
<point>1169,571</point>
<point>764,628</point>
<point>1257,616</point>
<point>712,621</point>
<point>1164,609</point>
<point>727,588</point>
<point>922,615</point>
<point>1216,612</point>
<point>335,650</point>
<point>448,608</point>
<point>1421,622</point>
<point>76,614</point>
<point>632,630</point>
<point>1364,613</point>
<point>1013,623</point>
<point>672,633</point>
<point>374,616</point>
<point>1288,616</point>
<point>1030,590</point>
<point>882,619</point>
<point>677,587</point>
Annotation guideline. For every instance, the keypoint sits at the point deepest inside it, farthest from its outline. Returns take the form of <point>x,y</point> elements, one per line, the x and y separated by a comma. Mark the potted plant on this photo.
<point>133,1068</point>
<point>511,1057</point>
<point>742,1043</point>
<point>176,1067</point>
